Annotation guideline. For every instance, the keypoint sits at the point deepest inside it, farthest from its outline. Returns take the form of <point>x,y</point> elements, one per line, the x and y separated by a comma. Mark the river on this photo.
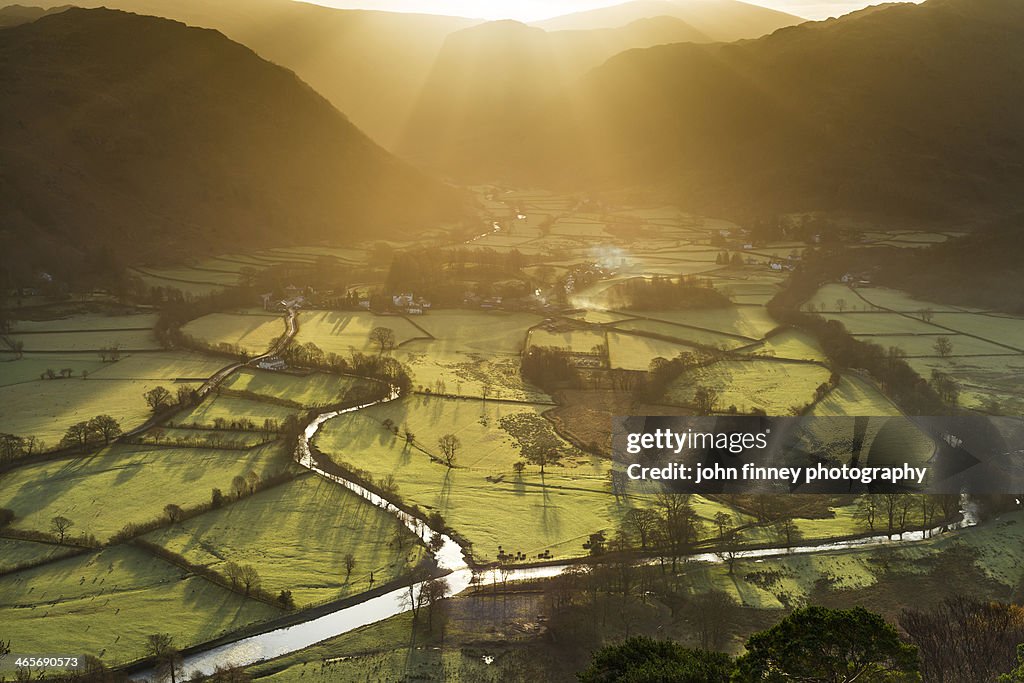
<point>449,558</point>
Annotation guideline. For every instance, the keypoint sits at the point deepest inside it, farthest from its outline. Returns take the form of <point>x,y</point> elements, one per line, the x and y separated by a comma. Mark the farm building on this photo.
<point>272,363</point>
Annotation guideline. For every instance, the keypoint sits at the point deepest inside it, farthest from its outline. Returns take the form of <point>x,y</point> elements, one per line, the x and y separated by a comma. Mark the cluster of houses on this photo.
<point>292,299</point>
<point>862,279</point>
<point>408,303</point>
<point>488,302</point>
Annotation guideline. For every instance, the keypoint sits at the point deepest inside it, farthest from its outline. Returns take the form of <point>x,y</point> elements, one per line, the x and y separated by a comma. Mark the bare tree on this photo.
<point>641,523</point>
<point>350,564</point>
<point>233,571</point>
<point>867,511</point>
<point>704,400</point>
<point>250,578</point>
<point>449,445</point>
<point>384,338</point>
<point>432,592</point>
<point>722,520</point>
<point>787,528</point>
<point>106,427</point>
<point>729,549</point>
<point>160,646</point>
<point>943,346</point>
<point>412,598</point>
<point>60,525</point>
<point>713,612</point>
<point>157,398</point>
<point>964,639</point>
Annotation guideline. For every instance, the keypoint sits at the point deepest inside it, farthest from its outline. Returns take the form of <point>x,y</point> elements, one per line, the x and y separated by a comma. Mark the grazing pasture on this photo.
<point>306,389</point>
<point>297,536</point>
<point>101,493</point>
<point>229,409</point>
<point>772,386</point>
<point>106,603</point>
<point>482,498</point>
<point>46,408</point>
<point>340,331</point>
<point>253,332</point>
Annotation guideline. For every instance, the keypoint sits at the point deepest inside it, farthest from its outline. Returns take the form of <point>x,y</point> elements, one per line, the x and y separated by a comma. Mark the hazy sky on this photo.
<point>532,10</point>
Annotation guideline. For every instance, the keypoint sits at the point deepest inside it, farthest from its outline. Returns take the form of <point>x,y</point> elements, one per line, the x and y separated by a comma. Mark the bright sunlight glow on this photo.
<point>537,10</point>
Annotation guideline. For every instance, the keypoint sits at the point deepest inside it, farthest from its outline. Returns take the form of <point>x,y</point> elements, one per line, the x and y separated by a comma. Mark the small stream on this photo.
<point>449,558</point>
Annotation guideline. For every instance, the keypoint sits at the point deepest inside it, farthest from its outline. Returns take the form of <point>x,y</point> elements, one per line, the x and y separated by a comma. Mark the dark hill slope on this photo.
<point>906,108</point>
<point>153,139</point>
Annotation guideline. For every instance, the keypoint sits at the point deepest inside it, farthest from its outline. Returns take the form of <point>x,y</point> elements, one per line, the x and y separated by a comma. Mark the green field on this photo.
<point>231,408</point>
<point>985,360</point>
<point>791,344</point>
<point>297,536</point>
<point>87,322</point>
<point>482,498</point>
<point>90,340</point>
<point>749,322</point>
<point>46,408</point>
<point>855,395</point>
<point>684,334</point>
<point>170,366</point>
<point>16,552</point>
<point>572,340</point>
<point>120,484</point>
<point>105,604</point>
<point>633,352</point>
<point>883,324</point>
<point>924,345</point>
<point>31,366</point>
<point>470,350</point>
<point>1004,330</point>
<point>339,332</point>
<point>253,332</point>
<point>772,386</point>
<point>900,302</point>
<point>309,390</point>
<point>478,330</point>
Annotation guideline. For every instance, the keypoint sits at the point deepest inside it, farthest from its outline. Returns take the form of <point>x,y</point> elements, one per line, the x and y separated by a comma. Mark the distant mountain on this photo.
<point>718,20</point>
<point>375,66</point>
<point>146,139</point>
<point>15,15</point>
<point>370,65</point>
<point>505,69</point>
<point>904,108</point>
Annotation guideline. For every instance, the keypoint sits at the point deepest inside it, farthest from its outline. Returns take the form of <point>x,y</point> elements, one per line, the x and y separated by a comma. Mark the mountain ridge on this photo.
<point>905,109</point>
<point>145,138</point>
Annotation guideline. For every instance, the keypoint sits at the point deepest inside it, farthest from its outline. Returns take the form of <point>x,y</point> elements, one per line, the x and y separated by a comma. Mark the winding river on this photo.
<point>450,558</point>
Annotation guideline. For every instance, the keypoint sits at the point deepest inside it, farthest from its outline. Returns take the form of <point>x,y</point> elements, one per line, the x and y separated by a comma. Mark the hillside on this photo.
<point>370,65</point>
<point>719,20</point>
<point>507,68</point>
<point>144,138</point>
<point>901,109</point>
<point>375,66</point>
<point>15,15</point>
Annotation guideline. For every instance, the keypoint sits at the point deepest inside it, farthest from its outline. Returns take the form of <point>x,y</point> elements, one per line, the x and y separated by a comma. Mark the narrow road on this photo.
<point>215,380</point>
<point>291,329</point>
